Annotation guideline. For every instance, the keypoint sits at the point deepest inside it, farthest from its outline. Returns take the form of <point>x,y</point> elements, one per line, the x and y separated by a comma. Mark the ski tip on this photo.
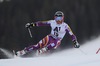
<point>14,54</point>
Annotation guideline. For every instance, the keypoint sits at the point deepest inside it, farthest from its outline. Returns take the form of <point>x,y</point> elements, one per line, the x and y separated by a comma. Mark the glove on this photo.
<point>29,25</point>
<point>76,44</point>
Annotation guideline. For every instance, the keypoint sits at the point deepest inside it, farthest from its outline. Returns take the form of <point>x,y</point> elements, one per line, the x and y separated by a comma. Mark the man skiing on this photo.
<point>53,40</point>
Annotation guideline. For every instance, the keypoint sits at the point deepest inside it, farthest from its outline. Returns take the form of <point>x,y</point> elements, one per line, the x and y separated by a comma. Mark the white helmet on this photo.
<point>59,14</point>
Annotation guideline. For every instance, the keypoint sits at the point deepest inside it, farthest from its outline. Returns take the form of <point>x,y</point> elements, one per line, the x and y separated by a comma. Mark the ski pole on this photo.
<point>30,32</point>
<point>97,51</point>
<point>82,51</point>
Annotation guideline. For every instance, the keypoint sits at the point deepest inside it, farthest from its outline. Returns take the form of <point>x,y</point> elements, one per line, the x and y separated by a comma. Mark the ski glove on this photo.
<point>76,44</point>
<point>29,25</point>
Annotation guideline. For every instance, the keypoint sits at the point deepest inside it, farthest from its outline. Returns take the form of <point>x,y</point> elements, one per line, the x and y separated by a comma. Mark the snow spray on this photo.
<point>6,53</point>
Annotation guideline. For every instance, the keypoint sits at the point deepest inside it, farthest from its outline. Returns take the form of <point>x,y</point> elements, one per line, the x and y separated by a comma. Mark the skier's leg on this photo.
<point>42,43</point>
<point>53,43</point>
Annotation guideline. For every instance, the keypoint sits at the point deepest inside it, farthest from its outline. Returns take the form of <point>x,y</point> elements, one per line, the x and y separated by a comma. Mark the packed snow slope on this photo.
<point>84,56</point>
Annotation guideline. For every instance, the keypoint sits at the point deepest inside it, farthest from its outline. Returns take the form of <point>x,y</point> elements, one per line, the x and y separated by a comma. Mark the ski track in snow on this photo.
<point>84,56</point>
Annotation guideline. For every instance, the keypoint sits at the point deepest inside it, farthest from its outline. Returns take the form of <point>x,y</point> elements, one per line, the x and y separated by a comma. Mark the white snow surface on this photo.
<point>84,56</point>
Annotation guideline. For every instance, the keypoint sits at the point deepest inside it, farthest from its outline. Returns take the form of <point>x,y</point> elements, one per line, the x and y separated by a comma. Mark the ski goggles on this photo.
<point>58,18</point>
<point>58,15</point>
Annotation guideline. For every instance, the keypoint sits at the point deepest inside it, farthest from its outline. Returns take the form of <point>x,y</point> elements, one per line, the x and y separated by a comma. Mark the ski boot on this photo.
<point>20,53</point>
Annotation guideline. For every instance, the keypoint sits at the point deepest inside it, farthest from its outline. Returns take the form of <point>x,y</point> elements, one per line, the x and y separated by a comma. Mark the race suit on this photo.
<point>53,40</point>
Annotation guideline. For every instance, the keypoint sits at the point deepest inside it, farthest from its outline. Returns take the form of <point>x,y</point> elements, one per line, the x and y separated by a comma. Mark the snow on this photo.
<point>84,56</point>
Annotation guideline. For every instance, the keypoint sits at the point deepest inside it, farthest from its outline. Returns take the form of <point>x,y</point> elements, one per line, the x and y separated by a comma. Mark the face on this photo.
<point>59,19</point>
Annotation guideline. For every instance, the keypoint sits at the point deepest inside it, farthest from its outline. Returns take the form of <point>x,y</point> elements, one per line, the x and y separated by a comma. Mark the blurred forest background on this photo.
<point>83,16</point>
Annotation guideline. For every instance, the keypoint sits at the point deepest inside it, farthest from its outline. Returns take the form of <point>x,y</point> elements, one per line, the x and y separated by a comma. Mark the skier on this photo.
<point>53,40</point>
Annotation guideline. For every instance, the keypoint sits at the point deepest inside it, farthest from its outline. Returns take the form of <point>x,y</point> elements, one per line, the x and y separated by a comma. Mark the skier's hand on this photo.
<point>76,44</point>
<point>29,25</point>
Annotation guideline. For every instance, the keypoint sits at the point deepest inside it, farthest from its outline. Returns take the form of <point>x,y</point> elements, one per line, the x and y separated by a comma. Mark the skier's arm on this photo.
<point>42,23</point>
<point>73,37</point>
<point>39,23</point>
